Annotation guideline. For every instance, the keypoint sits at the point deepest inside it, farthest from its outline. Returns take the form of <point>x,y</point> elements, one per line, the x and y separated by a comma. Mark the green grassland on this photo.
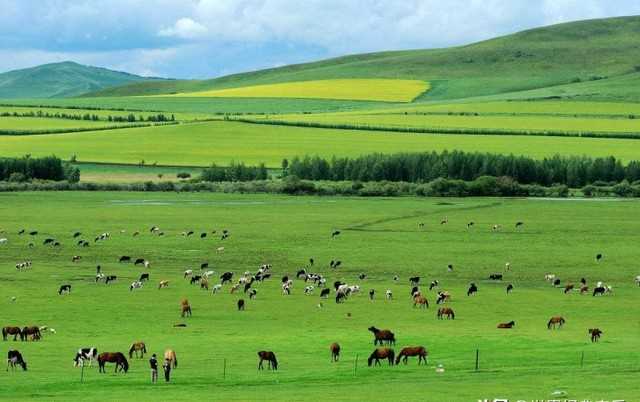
<point>384,90</point>
<point>597,57</point>
<point>200,144</point>
<point>110,173</point>
<point>37,123</point>
<point>380,237</point>
<point>569,125</point>
<point>520,108</point>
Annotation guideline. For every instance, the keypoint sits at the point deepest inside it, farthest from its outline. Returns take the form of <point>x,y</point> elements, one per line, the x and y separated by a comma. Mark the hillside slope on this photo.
<point>61,80</point>
<point>542,57</point>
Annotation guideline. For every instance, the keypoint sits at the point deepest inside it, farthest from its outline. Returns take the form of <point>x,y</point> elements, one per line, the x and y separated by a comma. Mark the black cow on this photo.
<point>247,286</point>
<point>311,262</point>
<point>509,288</point>
<point>495,277</point>
<point>414,290</point>
<point>204,265</point>
<point>434,284</point>
<point>125,258</point>
<point>556,282</point>
<point>301,272</point>
<point>110,278</point>
<point>33,233</point>
<point>48,241</point>
<point>372,293</point>
<point>195,279</point>
<point>285,279</point>
<point>76,234</point>
<point>241,305</point>
<point>226,277</point>
<point>139,261</point>
<point>414,280</point>
<point>337,284</point>
<point>472,289</point>
<point>518,224</point>
<point>144,277</point>
<point>64,289</point>
<point>335,233</point>
<point>324,293</point>
<point>252,294</point>
<point>362,277</point>
<point>203,235</point>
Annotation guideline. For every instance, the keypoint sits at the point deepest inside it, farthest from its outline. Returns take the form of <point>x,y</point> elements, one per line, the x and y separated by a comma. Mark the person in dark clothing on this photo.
<point>153,362</point>
<point>167,369</point>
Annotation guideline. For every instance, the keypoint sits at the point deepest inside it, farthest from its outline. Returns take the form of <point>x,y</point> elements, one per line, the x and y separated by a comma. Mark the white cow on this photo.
<point>135,285</point>
<point>389,294</point>
<point>4,240</point>
<point>549,277</point>
<point>638,280</point>
<point>308,290</point>
<point>188,272</point>
<point>216,288</point>
<point>207,274</point>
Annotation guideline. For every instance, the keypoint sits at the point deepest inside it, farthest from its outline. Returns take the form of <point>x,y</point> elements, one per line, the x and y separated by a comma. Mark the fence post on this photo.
<point>224,369</point>
<point>355,365</point>
<point>477,359</point>
<point>582,359</point>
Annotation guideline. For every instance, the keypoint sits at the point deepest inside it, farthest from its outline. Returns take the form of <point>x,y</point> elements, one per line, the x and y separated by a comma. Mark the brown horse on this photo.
<point>507,325</point>
<point>382,336</point>
<point>420,301</point>
<point>137,347</point>
<point>186,308</point>
<point>381,353</point>
<point>446,311</point>
<point>335,351</point>
<point>269,357</point>
<point>584,289</point>
<point>568,288</point>
<point>112,357</point>
<point>170,355</point>
<point>555,320</point>
<point>15,331</point>
<point>33,331</point>
<point>595,334</point>
<point>412,351</point>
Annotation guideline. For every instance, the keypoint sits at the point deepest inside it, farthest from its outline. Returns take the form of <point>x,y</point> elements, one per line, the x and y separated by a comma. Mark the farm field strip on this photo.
<point>497,123</point>
<point>561,238</point>
<point>200,144</point>
<point>387,90</point>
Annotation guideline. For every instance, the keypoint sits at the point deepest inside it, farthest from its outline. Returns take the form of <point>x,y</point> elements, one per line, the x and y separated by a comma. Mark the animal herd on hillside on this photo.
<point>384,339</point>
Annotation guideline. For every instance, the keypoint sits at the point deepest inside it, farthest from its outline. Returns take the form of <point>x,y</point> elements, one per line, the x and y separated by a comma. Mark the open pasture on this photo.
<point>380,238</point>
<point>480,123</point>
<point>384,90</point>
<point>200,144</point>
<point>28,124</point>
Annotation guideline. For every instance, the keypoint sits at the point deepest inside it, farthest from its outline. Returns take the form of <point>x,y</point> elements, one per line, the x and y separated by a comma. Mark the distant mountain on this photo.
<point>59,80</point>
<point>574,53</point>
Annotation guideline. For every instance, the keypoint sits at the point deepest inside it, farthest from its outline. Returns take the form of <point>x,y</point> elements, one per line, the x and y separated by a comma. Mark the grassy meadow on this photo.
<point>380,237</point>
<point>201,144</point>
<point>36,123</point>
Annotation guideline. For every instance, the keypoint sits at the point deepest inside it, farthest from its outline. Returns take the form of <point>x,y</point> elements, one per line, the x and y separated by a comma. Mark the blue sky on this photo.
<point>209,38</point>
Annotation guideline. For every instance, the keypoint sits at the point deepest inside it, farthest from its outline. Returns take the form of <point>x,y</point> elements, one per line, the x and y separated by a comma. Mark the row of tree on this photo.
<point>235,172</point>
<point>129,118</point>
<point>28,168</point>
<point>573,171</point>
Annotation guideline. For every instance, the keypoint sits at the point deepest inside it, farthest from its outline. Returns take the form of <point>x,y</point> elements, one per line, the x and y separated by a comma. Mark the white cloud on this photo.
<point>184,28</point>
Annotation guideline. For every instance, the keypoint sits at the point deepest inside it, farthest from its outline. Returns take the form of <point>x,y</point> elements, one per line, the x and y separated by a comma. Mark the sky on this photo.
<point>211,38</point>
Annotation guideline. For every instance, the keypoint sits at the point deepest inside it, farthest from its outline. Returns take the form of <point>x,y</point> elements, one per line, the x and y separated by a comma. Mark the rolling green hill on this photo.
<point>61,80</point>
<point>576,53</point>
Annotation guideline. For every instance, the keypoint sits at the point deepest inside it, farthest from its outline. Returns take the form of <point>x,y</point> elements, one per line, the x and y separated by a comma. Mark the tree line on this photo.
<point>129,118</point>
<point>27,168</point>
<point>234,172</point>
<point>572,171</point>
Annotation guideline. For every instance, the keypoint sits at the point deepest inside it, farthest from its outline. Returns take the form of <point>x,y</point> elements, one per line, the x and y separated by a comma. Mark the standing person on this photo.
<point>153,362</point>
<point>167,369</point>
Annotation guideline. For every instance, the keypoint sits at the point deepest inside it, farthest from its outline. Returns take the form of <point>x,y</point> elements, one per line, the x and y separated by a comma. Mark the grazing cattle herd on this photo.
<point>383,340</point>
